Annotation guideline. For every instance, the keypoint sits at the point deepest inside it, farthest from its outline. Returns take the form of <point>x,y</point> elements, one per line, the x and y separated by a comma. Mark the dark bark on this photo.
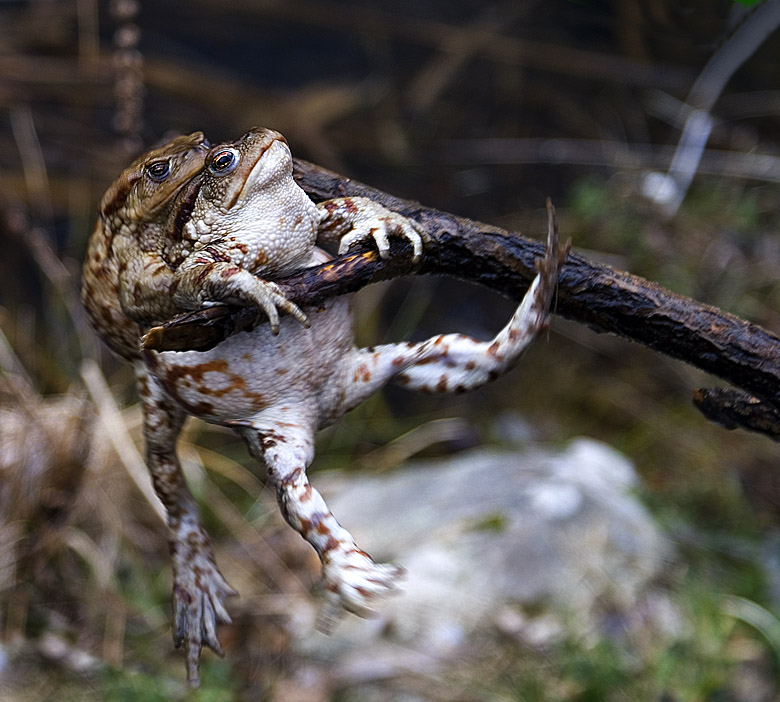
<point>734,409</point>
<point>605,299</point>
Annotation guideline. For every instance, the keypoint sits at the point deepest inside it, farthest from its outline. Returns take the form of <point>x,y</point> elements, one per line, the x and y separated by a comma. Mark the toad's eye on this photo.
<point>224,161</point>
<point>159,170</point>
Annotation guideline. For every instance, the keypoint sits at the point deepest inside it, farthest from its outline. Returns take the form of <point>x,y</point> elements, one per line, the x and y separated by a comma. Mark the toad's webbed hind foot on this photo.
<point>199,594</point>
<point>353,581</point>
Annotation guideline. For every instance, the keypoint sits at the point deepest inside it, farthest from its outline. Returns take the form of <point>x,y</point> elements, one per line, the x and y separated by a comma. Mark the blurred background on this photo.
<point>479,108</point>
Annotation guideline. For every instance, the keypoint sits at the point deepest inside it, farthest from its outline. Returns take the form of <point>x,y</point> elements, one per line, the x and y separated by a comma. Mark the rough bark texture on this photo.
<point>606,299</point>
<point>735,409</point>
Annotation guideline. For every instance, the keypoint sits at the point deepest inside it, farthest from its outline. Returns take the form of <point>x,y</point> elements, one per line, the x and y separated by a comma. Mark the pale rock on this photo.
<point>485,534</point>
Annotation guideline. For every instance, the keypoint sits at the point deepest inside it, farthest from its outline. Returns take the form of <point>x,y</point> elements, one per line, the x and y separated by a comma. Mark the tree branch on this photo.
<point>734,409</point>
<point>606,299</point>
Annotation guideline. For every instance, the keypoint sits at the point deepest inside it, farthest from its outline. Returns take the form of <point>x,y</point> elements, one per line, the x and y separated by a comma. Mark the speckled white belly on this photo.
<point>254,372</point>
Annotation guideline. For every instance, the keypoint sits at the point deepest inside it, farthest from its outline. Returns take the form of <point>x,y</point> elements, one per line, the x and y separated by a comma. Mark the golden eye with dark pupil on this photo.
<point>224,161</point>
<point>159,170</point>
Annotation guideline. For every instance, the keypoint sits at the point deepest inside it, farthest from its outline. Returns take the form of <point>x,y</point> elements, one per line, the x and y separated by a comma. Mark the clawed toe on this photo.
<point>197,611</point>
<point>366,220</point>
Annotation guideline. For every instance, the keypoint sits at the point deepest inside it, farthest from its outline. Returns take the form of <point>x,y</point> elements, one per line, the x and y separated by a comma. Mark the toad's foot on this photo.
<point>199,593</point>
<point>200,282</point>
<point>269,297</point>
<point>353,580</point>
<point>358,219</point>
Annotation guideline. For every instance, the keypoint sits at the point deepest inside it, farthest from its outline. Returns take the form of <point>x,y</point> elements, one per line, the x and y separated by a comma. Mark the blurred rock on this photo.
<point>532,544</point>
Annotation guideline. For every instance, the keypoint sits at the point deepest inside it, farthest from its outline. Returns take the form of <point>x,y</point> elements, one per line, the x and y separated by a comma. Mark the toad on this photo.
<point>226,235</point>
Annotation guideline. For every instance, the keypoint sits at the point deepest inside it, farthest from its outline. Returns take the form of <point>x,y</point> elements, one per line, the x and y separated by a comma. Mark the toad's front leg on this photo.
<point>199,590</point>
<point>209,275</point>
<point>355,219</point>
<point>352,579</point>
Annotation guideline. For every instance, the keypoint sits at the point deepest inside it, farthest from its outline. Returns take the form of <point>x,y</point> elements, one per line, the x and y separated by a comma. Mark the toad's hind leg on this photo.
<point>454,362</point>
<point>351,577</point>
<point>199,590</point>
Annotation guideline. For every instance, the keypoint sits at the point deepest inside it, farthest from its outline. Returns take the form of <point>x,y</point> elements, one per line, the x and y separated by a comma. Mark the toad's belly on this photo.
<point>255,372</point>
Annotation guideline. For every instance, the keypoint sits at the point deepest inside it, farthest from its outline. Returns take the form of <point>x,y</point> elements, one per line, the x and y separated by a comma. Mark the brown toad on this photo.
<point>278,384</point>
<point>125,281</point>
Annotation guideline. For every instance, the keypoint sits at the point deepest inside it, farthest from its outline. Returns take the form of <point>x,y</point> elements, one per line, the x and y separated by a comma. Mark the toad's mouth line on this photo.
<point>252,176</point>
